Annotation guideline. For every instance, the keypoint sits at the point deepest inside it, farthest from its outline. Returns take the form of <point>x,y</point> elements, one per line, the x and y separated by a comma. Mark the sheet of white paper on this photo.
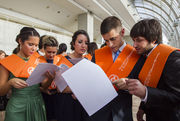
<point>90,85</point>
<point>37,75</point>
<point>59,80</point>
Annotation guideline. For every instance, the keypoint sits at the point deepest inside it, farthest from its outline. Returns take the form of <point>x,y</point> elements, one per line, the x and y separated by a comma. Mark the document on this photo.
<point>59,80</point>
<point>38,75</point>
<point>90,85</point>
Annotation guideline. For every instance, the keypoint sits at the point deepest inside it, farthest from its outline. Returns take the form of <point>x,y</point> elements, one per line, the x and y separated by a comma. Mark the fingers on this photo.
<point>132,85</point>
<point>135,87</point>
<point>50,75</point>
<point>18,83</point>
<point>121,83</point>
<point>21,84</point>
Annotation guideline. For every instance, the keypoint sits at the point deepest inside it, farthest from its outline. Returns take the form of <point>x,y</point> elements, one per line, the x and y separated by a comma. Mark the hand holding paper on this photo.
<point>90,85</point>
<point>38,74</point>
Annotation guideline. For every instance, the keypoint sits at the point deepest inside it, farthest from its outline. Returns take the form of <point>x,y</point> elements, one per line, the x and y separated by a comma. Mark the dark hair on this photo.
<point>41,42</point>
<point>25,33</point>
<point>110,23</point>
<point>74,37</point>
<point>92,47</point>
<point>50,41</point>
<point>104,44</point>
<point>150,29</point>
<point>16,50</point>
<point>62,48</point>
<point>1,51</point>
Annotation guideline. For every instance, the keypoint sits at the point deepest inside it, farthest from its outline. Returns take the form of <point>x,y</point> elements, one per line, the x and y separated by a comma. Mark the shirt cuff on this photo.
<point>145,99</point>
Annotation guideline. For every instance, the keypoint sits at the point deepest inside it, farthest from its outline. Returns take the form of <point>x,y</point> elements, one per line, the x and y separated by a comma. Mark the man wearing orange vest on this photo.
<point>118,60</point>
<point>158,83</point>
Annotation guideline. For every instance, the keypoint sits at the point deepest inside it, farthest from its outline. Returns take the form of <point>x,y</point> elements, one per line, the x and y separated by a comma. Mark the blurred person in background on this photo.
<point>91,49</point>
<point>62,49</point>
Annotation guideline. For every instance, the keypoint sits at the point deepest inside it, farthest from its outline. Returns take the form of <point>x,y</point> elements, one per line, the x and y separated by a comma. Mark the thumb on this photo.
<point>115,82</point>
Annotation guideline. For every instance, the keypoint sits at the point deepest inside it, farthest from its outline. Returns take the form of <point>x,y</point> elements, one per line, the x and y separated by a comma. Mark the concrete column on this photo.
<point>128,39</point>
<point>86,22</point>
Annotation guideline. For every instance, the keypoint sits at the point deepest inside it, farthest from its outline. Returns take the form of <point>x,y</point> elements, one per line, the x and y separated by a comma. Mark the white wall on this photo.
<point>9,31</point>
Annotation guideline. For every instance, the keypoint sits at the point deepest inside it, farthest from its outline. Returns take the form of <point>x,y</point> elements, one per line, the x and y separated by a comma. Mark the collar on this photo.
<point>122,47</point>
<point>152,49</point>
<point>41,53</point>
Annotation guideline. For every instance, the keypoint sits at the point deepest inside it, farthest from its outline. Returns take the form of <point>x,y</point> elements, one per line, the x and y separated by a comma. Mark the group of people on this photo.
<point>149,70</point>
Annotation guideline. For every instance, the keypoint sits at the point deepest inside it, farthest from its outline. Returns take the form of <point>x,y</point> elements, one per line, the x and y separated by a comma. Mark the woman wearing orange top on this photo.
<point>70,108</point>
<point>50,48</point>
<point>26,103</point>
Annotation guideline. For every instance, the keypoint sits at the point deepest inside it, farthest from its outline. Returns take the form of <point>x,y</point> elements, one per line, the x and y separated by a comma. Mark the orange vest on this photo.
<point>36,54</point>
<point>152,69</point>
<point>18,67</point>
<point>121,67</point>
<point>65,61</point>
<point>56,59</point>
<point>88,56</point>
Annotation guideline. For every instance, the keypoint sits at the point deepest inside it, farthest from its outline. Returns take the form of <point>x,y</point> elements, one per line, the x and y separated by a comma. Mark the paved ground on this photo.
<point>136,102</point>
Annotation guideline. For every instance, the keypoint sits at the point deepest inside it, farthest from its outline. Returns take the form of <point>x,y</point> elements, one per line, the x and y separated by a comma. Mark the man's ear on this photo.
<point>122,32</point>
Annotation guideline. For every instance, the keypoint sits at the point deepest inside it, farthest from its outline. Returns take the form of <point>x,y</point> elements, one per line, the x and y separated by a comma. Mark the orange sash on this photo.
<point>56,59</point>
<point>88,56</point>
<point>152,69</point>
<point>65,61</point>
<point>36,54</point>
<point>18,67</point>
<point>121,67</point>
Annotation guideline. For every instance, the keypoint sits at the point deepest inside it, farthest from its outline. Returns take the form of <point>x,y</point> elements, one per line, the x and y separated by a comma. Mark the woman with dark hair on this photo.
<point>25,103</point>
<point>70,108</point>
<point>62,49</point>
<point>91,49</point>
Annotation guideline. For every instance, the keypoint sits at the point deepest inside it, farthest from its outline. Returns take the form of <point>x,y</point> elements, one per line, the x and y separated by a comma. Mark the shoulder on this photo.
<point>174,57</point>
<point>173,63</point>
